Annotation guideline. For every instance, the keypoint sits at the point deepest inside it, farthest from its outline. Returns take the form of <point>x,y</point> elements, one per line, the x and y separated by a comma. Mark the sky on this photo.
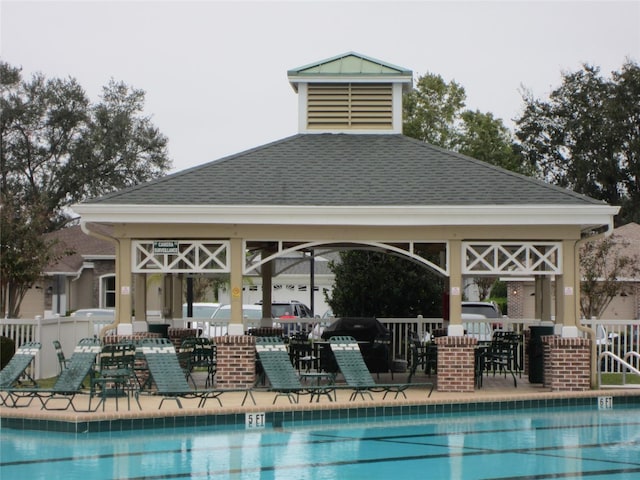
<point>215,72</point>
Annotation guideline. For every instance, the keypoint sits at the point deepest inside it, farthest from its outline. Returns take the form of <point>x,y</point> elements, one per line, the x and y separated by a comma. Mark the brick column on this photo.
<point>526,337</point>
<point>567,363</point>
<point>456,364</point>
<point>236,361</point>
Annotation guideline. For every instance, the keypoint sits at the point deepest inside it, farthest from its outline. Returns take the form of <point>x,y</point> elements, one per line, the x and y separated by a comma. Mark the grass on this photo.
<point>616,379</point>
<point>48,382</point>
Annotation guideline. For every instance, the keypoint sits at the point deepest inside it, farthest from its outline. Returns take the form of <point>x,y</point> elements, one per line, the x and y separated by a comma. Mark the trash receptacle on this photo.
<point>536,352</point>
<point>161,328</point>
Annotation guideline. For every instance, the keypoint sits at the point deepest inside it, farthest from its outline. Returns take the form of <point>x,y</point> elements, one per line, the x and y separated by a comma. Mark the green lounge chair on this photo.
<point>169,377</point>
<point>284,380</point>
<point>15,369</point>
<point>349,358</point>
<point>69,383</point>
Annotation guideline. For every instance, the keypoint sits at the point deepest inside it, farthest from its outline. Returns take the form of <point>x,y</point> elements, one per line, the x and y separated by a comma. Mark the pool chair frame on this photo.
<point>69,383</point>
<point>171,380</point>
<point>355,372</point>
<point>282,376</point>
<point>15,369</point>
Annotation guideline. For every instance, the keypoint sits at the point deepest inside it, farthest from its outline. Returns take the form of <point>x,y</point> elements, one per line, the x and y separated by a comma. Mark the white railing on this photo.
<point>68,330</point>
<point>621,363</point>
<point>620,337</point>
<point>617,336</point>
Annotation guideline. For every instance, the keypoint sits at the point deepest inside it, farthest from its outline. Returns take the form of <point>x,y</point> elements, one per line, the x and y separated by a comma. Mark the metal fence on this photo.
<point>616,336</point>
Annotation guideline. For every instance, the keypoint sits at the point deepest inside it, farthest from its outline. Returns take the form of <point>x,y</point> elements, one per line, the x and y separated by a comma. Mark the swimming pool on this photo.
<point>563,443</point>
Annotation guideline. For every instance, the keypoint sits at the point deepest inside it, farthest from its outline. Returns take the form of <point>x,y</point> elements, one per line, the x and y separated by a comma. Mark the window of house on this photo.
<point>108,299</point>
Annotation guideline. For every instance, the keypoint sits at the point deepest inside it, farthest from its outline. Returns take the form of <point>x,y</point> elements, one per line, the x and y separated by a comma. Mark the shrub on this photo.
<point>7,349</point>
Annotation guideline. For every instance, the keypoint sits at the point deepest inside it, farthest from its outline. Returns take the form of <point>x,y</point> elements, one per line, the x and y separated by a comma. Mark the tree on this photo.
<point>375,284</point>
<point>434,113</point>
<point>486,138</point>
<point>432,109</point>
<point>586,137</point>
<point>603,263</point>
<point>56,148</point>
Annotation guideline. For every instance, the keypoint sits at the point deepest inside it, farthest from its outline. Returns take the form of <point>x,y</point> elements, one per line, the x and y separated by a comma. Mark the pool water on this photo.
<point>517,444</point>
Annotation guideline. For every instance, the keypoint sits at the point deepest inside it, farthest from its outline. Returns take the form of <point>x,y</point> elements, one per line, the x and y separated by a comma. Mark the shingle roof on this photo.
<point>346,170</point>
<point>74,247</point>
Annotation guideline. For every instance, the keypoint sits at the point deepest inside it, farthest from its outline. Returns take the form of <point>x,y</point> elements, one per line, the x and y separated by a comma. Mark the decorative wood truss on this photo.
<point>478,258</point>
<point>181,256</point>
<point>511,258</point>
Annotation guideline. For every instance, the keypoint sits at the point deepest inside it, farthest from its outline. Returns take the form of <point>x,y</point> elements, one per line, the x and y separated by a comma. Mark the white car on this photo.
<point>94,312</point>
<point>221,317</point>
<point>201,309</point>
<point>476,326</point>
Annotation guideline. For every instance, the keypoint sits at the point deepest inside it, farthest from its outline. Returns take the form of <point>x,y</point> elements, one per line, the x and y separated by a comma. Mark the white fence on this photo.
<point>618,337</point>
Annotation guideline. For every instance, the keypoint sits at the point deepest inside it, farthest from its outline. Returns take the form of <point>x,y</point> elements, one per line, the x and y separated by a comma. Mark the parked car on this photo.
<point>249,312</point>
<point>98,316</point>
<point>94,312</point>
<point>472,315</point>
<point>285,313</point>
<point>221,317</point>
<point>292,309</point>
<point>200,310</point>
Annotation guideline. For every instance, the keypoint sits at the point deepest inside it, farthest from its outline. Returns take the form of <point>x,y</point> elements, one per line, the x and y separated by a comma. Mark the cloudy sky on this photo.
<point>215,71</point>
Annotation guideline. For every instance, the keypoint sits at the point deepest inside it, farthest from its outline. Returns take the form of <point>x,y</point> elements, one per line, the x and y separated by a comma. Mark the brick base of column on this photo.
<point>236,361</point>
<point>456,364</point>
<point>567,363</point>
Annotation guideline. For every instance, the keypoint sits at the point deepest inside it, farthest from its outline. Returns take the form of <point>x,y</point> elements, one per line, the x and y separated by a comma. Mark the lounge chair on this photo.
<point>69,383</point>
<point>351,363</point>
<point>284,380</point>
<point>17,368</point>
<point>169,377</point>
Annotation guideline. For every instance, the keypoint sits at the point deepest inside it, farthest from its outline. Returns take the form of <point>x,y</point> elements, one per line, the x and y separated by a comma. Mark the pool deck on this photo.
<point>495,390</point>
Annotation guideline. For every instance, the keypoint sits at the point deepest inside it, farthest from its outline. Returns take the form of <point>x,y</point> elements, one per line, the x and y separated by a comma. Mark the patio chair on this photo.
<point>282,375</point>
<point>498,356</point>
<point>17,368</point>
<point>169,376</point>
<point>421,355</point>
<point>62,361</point>
<point>351,363</point>
<point>70,381</point>
<point>199,352</point>
<point>115,374</point>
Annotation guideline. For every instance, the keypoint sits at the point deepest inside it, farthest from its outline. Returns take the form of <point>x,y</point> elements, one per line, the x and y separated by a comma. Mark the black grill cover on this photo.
<point>364,329</point>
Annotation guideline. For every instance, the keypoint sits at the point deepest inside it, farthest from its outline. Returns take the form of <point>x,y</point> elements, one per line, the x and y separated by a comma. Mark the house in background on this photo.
<point>626,306</point>
<point>83,276</point>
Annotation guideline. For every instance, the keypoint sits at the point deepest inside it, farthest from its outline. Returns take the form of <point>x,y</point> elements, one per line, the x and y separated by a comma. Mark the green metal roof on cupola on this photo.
<point>350,64</point>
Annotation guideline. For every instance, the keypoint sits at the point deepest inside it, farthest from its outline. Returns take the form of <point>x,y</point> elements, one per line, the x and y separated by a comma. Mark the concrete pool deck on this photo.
<point>495,391</point>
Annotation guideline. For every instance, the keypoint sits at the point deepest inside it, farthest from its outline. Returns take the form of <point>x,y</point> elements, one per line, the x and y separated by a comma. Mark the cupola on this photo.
<point>350,93</point>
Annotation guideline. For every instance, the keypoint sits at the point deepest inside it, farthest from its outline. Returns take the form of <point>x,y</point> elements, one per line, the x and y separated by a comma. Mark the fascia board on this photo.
<point>584,215</point>
<point>356,78</point>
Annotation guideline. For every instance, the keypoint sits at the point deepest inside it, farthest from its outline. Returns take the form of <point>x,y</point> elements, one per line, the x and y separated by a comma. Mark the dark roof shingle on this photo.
<point>346,170</point>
